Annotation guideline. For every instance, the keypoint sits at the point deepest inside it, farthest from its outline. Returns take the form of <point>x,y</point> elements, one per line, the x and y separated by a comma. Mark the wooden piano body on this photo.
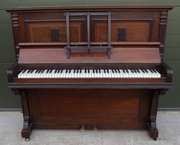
<point>107,37</point>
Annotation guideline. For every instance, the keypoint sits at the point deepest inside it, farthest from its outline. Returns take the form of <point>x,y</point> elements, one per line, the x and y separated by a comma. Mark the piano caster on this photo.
<point>95,128</point>
<point>27,139</point>
<point>82,129</point>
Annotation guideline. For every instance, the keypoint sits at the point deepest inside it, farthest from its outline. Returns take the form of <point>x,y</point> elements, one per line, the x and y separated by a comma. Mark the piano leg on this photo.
<point>151,124</point>
<point>27,125</point>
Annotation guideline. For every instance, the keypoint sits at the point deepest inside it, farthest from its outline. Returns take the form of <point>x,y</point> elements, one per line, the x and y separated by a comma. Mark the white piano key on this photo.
<point>21,73</point>
<point>32,74</point>
<point>90,73</point>
<point>43,75</point>
<point>158,75</point>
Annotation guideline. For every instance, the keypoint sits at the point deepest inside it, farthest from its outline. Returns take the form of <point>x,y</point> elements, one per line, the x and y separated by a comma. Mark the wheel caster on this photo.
<point>82,129</point>
<point>95,128</point>
<point>27,139</point>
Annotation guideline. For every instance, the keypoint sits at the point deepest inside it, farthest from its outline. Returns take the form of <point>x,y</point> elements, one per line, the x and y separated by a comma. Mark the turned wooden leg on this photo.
<point>27,129</point>
<point>151,124</point>
<point>152,130</point>
<point>27,125</point>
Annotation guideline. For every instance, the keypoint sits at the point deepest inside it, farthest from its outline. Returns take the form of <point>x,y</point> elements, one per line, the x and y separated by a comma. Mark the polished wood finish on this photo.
<point>142,23</point>
<point>119,55</point>
<point>137,40</point>
<point>90,108</point>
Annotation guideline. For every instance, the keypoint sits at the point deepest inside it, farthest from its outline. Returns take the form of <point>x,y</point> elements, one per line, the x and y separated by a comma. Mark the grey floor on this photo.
<point>168,125</point>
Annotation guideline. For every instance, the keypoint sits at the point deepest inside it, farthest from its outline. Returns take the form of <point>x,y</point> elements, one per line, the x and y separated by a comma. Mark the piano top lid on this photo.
<point>89,7</point>
<point>34,53</point>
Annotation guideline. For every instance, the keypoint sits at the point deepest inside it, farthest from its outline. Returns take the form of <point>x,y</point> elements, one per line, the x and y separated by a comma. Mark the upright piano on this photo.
<point>89,67</point>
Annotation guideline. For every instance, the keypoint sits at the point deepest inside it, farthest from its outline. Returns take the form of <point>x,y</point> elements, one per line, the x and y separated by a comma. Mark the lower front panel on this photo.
<point>103,109</point>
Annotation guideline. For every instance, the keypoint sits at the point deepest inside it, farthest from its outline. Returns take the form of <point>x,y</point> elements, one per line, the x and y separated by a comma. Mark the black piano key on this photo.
<point>135,70</point>
<point>23,70</point>
<point>50,71</point>
<point>29,71</point>
<point>146,70</point>
<point>152,70</point>
<point>138,71</point>
<point>36,71</point>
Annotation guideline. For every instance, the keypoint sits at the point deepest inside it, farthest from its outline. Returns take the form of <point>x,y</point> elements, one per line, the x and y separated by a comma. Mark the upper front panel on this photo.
<point>90,25</point>
<point>125,26</point>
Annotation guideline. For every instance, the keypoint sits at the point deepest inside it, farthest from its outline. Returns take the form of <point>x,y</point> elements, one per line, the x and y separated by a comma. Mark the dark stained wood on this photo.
<point>27,124</point>
<point>42,33</point>
<point>151,124</point>
<point>138,38</point>
<point>136,31</point>
<point>87,107</point>
<point>119,55</point>
<point>142,23</point>
<point>80,8</point>
<point>94,81</point>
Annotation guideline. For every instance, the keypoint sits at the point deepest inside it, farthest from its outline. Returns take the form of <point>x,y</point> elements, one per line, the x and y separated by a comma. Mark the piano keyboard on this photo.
<point>89,73</point>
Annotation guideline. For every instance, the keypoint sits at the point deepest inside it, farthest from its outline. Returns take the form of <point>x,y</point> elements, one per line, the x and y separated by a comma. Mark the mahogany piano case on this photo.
<point>97,43</point>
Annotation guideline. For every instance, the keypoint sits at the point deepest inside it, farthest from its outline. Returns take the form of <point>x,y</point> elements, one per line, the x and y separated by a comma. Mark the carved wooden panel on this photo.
<point>73,108</point>
<point>42,32</point>
<point>135,31</point>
